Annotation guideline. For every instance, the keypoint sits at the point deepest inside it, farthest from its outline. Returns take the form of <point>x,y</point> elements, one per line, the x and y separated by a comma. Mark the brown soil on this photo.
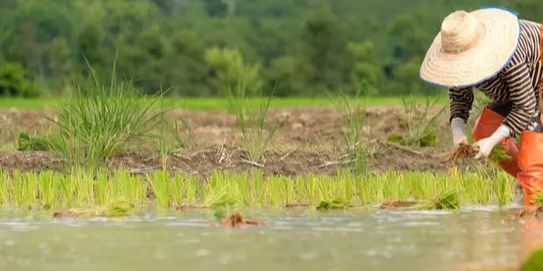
<point>308,143</point>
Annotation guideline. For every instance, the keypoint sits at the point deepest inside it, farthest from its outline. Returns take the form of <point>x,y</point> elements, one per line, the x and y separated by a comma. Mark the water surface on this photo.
<point>429,240</point>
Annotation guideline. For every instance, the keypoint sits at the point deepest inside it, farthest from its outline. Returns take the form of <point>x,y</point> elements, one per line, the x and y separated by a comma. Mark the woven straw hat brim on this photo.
<point>488,56</point>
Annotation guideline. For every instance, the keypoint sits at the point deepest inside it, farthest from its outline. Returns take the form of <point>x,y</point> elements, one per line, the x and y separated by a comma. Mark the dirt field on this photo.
<point>308,143</point>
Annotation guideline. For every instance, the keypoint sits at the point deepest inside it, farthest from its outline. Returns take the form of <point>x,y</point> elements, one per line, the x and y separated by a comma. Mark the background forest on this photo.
<point>199,47</point>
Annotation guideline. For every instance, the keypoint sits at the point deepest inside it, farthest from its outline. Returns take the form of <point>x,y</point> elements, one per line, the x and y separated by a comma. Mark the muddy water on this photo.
<point>467,240</point>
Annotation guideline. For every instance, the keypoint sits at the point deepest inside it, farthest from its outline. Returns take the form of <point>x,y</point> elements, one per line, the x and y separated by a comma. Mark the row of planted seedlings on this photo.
<point>121,190</point>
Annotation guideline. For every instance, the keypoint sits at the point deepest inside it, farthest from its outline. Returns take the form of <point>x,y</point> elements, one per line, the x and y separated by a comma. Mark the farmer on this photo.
<point>493,51</point>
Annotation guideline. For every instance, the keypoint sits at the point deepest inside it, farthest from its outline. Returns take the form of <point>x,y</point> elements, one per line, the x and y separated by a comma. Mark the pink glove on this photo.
<point>487,144</point>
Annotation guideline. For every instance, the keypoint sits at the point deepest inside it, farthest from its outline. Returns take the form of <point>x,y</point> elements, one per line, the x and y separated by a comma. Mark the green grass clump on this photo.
<point>427,140</point>
<point>100,119</point>
<point>35,143</point>
<point>419,120</point>
<point>355,138</point>
<point>251,115</point>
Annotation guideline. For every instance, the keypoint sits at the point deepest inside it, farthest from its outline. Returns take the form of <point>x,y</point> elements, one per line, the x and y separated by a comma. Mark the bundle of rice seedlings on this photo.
<point>447,200</point>
<point>118,208</point>
<point>499,154</point>
<point>336,204</point>
<point>464,151</point>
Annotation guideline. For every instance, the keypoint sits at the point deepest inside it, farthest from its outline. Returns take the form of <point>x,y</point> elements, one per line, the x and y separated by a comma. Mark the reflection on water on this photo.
<point>468,240</point>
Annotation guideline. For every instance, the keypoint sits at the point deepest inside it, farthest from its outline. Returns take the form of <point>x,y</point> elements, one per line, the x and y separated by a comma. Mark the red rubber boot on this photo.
<point>530,161</point>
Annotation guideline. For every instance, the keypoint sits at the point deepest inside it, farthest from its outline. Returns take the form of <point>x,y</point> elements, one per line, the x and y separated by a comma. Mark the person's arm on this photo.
<point>461,101</point>
<point>521,93</point>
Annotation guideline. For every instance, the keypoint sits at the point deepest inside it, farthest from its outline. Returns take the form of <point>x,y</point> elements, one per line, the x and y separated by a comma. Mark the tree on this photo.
<point>323,50</point>
<point>229,71</point>
<point>60,58</point>
<point>365,73</point>
<point>14,81</point>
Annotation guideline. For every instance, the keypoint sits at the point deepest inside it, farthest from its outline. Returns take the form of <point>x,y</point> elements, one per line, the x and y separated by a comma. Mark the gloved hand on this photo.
<point>486,145</point>
<point>457,127</point>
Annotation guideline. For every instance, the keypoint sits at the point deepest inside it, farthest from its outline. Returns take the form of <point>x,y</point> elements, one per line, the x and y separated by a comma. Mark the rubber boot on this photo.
<point>487,124</point>
<point>530,161</point>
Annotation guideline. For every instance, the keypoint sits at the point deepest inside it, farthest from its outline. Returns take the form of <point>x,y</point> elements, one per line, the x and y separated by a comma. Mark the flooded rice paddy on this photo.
<point>471,239</point>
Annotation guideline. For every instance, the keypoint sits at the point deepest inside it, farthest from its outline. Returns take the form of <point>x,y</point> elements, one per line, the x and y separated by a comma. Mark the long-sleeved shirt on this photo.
<point>517,83</point>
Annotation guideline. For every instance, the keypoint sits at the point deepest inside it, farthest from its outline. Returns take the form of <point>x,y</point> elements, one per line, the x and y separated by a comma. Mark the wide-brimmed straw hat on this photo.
<point>471,47</point>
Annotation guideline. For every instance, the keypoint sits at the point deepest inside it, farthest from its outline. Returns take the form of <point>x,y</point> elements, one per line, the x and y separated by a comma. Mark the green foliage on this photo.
<point>419,120</point>
<point>220,213</point>
<point>251,116</point>
<point>365,73</point>
<point>101,119</point>
<point>428,140</point>
<point>304,47</point>
<point>355,138</point>
<point>36,142</point>
<point>14,81</point>
<point>447,200</point>
<point>118,208</point>
<point>534,262</point>
<point>332,205</point>
<point>117,192</point>
<point>232,72</point>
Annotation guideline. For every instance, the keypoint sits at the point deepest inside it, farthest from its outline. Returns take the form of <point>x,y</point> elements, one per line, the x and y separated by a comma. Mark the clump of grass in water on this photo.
<point>117,208</point>
<point>101,119</point>
<point>337,204</point>
<point>447,200</point>
<point>251,114</point>
<point>420,122</point>
<point>355,138</point>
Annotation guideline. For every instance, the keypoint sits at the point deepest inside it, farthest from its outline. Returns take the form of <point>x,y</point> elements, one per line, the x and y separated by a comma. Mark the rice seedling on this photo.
<point>222,190</point>
<point>101,119</point>
<point>66,192</point>
<point>419,119</point>
<point>355,138</point>
<point>109,188</point>
<point>160,183</point>
<point>192,188</point>
<point>81,189</point>
<point>24,189</point>
<point>251,115</point>
<point>447,200</point>
<point>47,189</point>
<point>168,136</point>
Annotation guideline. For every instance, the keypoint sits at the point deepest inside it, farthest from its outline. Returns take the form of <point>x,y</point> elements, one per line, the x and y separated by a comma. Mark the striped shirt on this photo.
<point>517,83</point>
